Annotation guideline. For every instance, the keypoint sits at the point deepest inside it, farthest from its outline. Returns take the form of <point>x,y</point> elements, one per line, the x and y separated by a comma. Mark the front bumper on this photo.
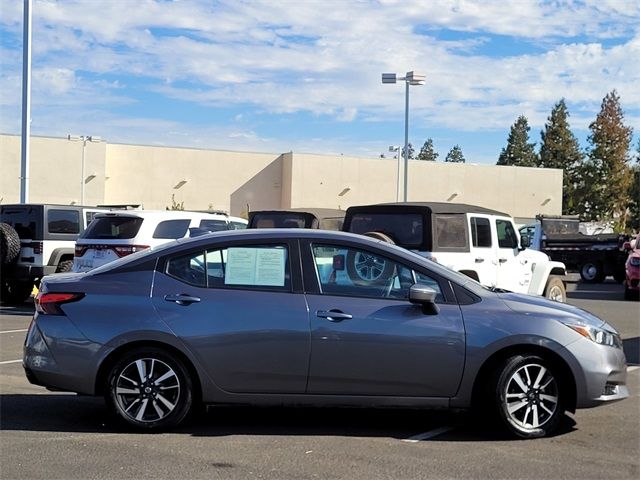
<point>600,373</point>
<point>57,356</point>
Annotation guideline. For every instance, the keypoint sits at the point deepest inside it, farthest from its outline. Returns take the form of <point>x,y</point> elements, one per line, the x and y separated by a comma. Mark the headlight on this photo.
<point>635,261</point>
<point>597,335</point>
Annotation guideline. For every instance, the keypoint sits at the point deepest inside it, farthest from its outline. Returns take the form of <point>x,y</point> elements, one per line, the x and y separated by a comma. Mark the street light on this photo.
<point>84,139</point>
<point>396,149</point>
<point>411,78</point>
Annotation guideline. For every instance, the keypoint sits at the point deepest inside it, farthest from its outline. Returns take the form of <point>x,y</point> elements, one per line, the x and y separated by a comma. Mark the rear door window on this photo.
<point>113,228</point>
<point>172,229</point>
<point>63,221</point>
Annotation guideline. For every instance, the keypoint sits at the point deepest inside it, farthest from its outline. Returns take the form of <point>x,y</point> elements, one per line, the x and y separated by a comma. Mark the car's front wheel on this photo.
<point>528,397</point>
<point>149,388</point>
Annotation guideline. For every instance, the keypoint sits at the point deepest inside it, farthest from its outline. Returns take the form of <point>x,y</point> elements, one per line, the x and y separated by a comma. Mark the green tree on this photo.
<point>412,152</point>
<point>634,195</point>
<point>519,151</point>
<point>559,148</point>
<point>606,176</point>
<point>427,152</point>
<point>175,205</point>
<point>455,155</point>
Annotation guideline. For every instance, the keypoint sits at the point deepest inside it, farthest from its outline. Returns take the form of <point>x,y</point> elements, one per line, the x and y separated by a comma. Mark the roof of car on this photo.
<point>160,213</point>
<point>317,212</point>
<point>434,207</point>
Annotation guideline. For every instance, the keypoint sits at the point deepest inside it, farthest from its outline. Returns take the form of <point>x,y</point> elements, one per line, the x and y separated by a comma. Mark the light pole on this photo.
<point>84,139</point>
<point>411,78</point>
<point>396,149</point>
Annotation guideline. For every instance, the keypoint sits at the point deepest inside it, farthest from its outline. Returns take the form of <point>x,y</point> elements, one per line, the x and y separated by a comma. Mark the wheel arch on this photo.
<point>112,358</point>
<point>567,381</point>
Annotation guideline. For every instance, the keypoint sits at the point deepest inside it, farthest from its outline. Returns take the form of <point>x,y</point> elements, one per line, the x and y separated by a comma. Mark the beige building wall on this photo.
<point>55,171</point>
<point>239,181</point>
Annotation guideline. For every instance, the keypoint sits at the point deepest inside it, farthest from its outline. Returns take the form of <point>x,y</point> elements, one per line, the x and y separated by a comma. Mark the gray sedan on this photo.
<point>273,317</point>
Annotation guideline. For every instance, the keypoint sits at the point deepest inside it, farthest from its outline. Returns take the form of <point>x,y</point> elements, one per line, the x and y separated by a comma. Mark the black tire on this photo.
<point>592,272</point>
<point>64,266</point>
<point>541,407</point>
<point>15,293</point>
<point>9,244</point>
<point>619,276</point>
<point>555,289</point>
<point>367,269</point>
<point>153,406</point>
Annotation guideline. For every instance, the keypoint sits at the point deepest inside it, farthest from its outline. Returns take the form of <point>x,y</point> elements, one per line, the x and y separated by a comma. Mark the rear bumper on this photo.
<point>57,356</point>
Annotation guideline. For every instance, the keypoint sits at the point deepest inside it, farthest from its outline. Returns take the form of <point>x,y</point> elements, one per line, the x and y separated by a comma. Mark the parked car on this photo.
<point>322,218</point>
<point>37,239</point>
<point>594,256</point>
<point>114,235</point>
<point>632,270</point>
<point>479,242</point>
<point>279,316</point>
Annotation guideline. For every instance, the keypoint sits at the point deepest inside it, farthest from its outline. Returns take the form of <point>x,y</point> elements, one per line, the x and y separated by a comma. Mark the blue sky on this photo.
<point>305,75</point>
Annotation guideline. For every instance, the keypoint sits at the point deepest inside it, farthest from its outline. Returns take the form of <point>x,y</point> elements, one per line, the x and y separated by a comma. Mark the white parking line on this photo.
<point>10,361</point>
<point>427,435</point>
<point>14,331</point>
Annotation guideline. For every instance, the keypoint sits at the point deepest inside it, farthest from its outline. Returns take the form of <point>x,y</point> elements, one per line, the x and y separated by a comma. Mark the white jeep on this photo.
<point>481,243</point>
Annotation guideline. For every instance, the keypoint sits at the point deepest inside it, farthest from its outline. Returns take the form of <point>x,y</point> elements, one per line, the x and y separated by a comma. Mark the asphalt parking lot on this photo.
<point>57,435</point>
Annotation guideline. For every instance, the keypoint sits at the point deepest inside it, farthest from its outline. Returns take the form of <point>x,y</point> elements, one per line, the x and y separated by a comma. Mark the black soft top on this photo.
<point>433,207</point>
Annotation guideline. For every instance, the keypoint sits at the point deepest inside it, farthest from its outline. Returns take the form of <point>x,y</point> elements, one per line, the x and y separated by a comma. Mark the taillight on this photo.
<point>123,251</point>
<point>37,247</point>
<point>80,250</point>
<point>49,303</point>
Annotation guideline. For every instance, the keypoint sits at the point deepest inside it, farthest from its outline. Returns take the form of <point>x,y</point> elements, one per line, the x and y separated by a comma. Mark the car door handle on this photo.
<point>334,315</point>
<point>479,260</point>
<point>502,260</point>
<point>182,299</point>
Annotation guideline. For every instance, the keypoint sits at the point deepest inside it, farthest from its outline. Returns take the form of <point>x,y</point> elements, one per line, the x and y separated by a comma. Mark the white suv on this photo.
<point>481,243</point>
<point>116,234</point>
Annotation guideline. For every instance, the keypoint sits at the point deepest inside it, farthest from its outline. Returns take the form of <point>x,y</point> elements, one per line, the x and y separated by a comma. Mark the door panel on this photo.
<point>514,272</point>
<point>248,340</point>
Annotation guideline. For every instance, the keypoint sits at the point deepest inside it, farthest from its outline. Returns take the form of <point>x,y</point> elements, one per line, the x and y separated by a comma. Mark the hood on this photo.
<point>527,304</point>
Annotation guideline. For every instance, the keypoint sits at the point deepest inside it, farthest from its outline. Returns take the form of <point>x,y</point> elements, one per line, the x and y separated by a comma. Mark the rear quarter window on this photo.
<point>63,221</point>
<point>172,229</point>
<point>451,233</point>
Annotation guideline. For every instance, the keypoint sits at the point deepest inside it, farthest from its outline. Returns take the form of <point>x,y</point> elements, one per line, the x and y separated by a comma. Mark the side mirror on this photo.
<point>525,242</point>
<point>425,297</point>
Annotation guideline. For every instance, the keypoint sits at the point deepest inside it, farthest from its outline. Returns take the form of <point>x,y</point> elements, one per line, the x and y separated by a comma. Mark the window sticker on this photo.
<point>255,266</point>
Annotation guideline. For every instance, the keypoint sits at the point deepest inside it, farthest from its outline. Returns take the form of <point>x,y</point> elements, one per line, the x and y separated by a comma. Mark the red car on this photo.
<point>632,267</point>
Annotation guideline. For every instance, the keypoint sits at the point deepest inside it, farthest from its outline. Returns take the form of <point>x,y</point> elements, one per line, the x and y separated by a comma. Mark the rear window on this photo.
<point>113,228</point>
<point>63,221</point>
<point>480,232</point>
<point>172,229</point>
<point>406,229</point>
<point>214,225</point>
<point>280,220</point>
<point>26,221</point>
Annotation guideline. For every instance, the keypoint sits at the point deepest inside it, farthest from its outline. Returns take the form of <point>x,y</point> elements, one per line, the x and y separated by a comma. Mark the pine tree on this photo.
<point>634,195</point>
<point>518,151</point>
<point>606,175</point>
<point>559,148</point>
<point>427,152</point>
<point>411,152</point>
<point>455,155</point>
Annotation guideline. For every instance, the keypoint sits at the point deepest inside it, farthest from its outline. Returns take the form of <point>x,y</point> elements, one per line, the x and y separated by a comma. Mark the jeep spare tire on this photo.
<point>9,244</point>
<point>380,236</point>
<point>367,269</point>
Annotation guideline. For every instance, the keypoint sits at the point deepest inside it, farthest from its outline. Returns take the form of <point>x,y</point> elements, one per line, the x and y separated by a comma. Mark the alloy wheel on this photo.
<point>531,396</point>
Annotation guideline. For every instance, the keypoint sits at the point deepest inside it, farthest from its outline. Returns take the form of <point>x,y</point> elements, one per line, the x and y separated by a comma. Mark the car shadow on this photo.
<point>608,290</point>
<point>81,414</point>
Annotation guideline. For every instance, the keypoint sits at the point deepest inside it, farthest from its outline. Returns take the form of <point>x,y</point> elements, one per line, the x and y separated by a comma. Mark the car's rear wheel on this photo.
<point>64,266</point>
<point>528,397</point>
<point>149,388</point>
